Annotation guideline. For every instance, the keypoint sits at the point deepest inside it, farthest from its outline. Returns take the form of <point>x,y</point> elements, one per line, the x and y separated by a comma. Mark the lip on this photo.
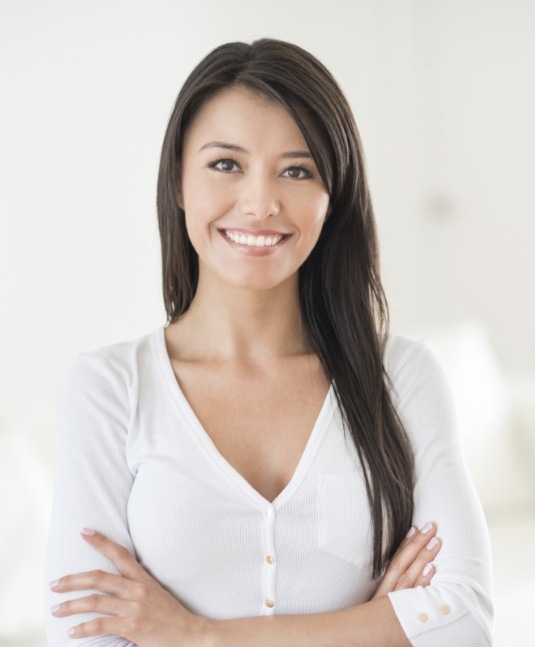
<point>254,232</point>
<point>254,250</point>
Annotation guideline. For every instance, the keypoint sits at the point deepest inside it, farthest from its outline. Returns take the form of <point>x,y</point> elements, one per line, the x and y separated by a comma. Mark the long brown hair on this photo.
<point>342,299</point>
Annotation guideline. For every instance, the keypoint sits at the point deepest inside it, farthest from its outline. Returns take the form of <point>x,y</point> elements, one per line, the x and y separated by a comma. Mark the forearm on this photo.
<point>373,624</point>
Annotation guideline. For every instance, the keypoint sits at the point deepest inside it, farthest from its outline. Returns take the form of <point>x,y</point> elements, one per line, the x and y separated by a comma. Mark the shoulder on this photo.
<point>406,359</point>
<point>401,351</point>
<point>112,370</point>
<point>419,388</point>
<point>119,358</point>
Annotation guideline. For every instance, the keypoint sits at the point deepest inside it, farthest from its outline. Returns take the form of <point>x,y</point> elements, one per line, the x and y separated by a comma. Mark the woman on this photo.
<point>267,455</point>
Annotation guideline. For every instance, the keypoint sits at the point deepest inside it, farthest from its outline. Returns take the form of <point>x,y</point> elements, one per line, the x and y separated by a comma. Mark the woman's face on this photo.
<point>253,197</point>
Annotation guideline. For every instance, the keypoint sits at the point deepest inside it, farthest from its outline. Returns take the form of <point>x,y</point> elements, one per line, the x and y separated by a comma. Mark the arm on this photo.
<point>93,481</point>
<point>93,485</point>
<point>456,608</point>
<point>138,607</point>
<point>383,621</point>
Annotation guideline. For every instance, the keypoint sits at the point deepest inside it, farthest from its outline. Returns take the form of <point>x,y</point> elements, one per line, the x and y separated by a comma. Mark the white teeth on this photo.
<point>253,241</point>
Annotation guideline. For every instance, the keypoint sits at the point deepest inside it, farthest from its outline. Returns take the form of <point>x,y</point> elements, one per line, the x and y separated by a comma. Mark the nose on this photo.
<point>259,197</point>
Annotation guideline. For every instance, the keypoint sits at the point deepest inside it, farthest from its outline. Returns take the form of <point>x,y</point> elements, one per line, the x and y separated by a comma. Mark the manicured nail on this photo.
<point>72,631</point>
<point>411,533</point>
<point>55,608</point>
<point>87,531</point>
<point>427,569</point>
<point>426,528</point>
<point>432,544</point>
<point>53,584</point>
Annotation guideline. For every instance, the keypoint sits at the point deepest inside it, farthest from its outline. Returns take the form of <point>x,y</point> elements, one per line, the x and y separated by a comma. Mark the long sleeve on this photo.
<point>93,482</point>
<point>456,609</point>
<point>122,415</point>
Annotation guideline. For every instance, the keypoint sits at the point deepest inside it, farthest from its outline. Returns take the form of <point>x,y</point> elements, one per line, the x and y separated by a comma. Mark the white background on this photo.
<point>444,96</point>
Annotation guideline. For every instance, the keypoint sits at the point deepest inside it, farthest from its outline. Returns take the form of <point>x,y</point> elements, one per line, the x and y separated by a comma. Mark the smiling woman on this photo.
<point>260,196</point>
<point>271,450</point>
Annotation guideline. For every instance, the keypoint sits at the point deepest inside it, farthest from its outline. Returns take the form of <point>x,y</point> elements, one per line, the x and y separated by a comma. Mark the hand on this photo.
<point>411,564</point>
<point>139,608</point>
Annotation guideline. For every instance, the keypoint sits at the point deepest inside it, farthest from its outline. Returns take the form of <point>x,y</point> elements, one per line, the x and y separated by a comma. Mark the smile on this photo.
<point>241,238</point>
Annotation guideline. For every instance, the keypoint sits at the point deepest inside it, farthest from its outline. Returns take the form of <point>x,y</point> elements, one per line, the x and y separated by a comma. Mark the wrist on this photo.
<point>207,634</point>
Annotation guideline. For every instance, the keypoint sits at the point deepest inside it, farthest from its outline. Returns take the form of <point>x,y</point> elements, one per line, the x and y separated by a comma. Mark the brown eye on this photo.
<point>297,173</point>
<point>226,165</point>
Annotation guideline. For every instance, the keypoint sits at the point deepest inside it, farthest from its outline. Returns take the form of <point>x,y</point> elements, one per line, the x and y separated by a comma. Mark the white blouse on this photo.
<point>134,463</point>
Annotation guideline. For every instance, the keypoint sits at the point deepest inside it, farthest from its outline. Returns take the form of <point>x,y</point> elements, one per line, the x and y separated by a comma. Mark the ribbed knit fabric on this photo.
<point>134,463</point>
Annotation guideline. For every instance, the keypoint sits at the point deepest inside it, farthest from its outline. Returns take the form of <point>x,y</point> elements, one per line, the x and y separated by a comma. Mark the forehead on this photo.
<point>240,112</point>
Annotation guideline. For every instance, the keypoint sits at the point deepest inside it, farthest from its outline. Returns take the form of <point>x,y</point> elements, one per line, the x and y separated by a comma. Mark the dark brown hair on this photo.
<point>342,299</point>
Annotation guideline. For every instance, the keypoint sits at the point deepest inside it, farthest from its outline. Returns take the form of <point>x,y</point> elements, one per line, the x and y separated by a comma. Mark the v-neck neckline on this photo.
<point>225,468</point>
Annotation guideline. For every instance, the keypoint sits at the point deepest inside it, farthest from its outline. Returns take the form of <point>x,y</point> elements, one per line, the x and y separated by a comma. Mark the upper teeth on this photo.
<point>253,241</point>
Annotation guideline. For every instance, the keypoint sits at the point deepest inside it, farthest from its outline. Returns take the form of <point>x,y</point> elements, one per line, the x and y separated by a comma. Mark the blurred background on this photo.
<point>444,96</point>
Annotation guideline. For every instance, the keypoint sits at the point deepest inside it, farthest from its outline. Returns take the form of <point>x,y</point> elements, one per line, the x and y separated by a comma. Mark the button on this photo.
<point>270,512</point>
<point>445,609</point>
<point>423,617</point>
<point>270,559</point>
<point>270,604</point>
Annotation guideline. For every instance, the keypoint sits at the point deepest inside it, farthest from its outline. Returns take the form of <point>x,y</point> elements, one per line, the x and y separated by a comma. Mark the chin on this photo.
<point>258,281</point>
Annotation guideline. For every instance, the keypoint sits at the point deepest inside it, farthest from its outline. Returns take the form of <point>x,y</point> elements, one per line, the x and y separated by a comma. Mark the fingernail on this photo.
<point>427,569</point>
<point>88,531</point>
<point>426,528</point>
<point>72,631</point>
<point>411,533</point>
<point>432,544</point>
<point>55,608</point>
<point>53,584</point>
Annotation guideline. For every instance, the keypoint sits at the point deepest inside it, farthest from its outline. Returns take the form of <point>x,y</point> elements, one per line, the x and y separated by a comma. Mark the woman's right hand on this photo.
<point>411,564</point>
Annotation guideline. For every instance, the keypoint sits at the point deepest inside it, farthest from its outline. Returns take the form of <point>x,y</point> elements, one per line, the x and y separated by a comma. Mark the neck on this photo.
<point>230,323</point>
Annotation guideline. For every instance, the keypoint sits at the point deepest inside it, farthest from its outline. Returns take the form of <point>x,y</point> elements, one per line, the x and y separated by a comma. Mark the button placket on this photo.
<point>269,562</point>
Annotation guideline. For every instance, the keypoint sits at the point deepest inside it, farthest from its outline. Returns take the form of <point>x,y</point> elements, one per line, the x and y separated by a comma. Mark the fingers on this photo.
<point>411,564</point>
<point>99,580</point>
<point>122,600</point>
<point>126,563</point>
<point>91,604</point>
<point>421,570</point>
<point>112,626</point>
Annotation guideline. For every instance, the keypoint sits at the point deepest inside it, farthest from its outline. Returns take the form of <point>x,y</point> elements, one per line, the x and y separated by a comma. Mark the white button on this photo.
<point>269,512</point>
<point>445,609</point>
<point>270,604</point>
<point>423,617</point>
<point>270,559</point>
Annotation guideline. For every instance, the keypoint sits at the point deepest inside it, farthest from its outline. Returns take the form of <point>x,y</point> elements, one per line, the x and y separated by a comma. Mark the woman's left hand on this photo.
<point>138,607</point>
<point>411,565</point>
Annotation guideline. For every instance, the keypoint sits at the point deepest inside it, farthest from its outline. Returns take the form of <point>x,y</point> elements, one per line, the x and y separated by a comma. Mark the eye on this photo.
<point>297,173</point>
<point>227,165</point>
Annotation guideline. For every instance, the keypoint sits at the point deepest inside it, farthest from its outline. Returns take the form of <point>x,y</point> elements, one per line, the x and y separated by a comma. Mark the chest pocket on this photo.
<point>344,520</point>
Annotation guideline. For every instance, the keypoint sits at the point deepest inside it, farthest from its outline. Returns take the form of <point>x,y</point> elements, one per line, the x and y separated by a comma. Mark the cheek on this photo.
<point>313,213</point>
<point>204,203</point>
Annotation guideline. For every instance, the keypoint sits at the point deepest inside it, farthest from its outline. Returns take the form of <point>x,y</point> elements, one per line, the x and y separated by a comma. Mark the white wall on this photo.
<point>444,97</point>
<point>86,91</point>
<point>478,88</point>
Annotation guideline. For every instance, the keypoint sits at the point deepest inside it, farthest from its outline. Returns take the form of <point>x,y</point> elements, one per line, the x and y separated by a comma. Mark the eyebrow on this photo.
<point>240,149</point>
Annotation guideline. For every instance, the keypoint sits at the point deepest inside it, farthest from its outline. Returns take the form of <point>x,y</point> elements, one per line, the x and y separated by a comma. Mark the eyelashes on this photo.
<point>231,165</point>
<point>301,172</point>
<point>225,165</point>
